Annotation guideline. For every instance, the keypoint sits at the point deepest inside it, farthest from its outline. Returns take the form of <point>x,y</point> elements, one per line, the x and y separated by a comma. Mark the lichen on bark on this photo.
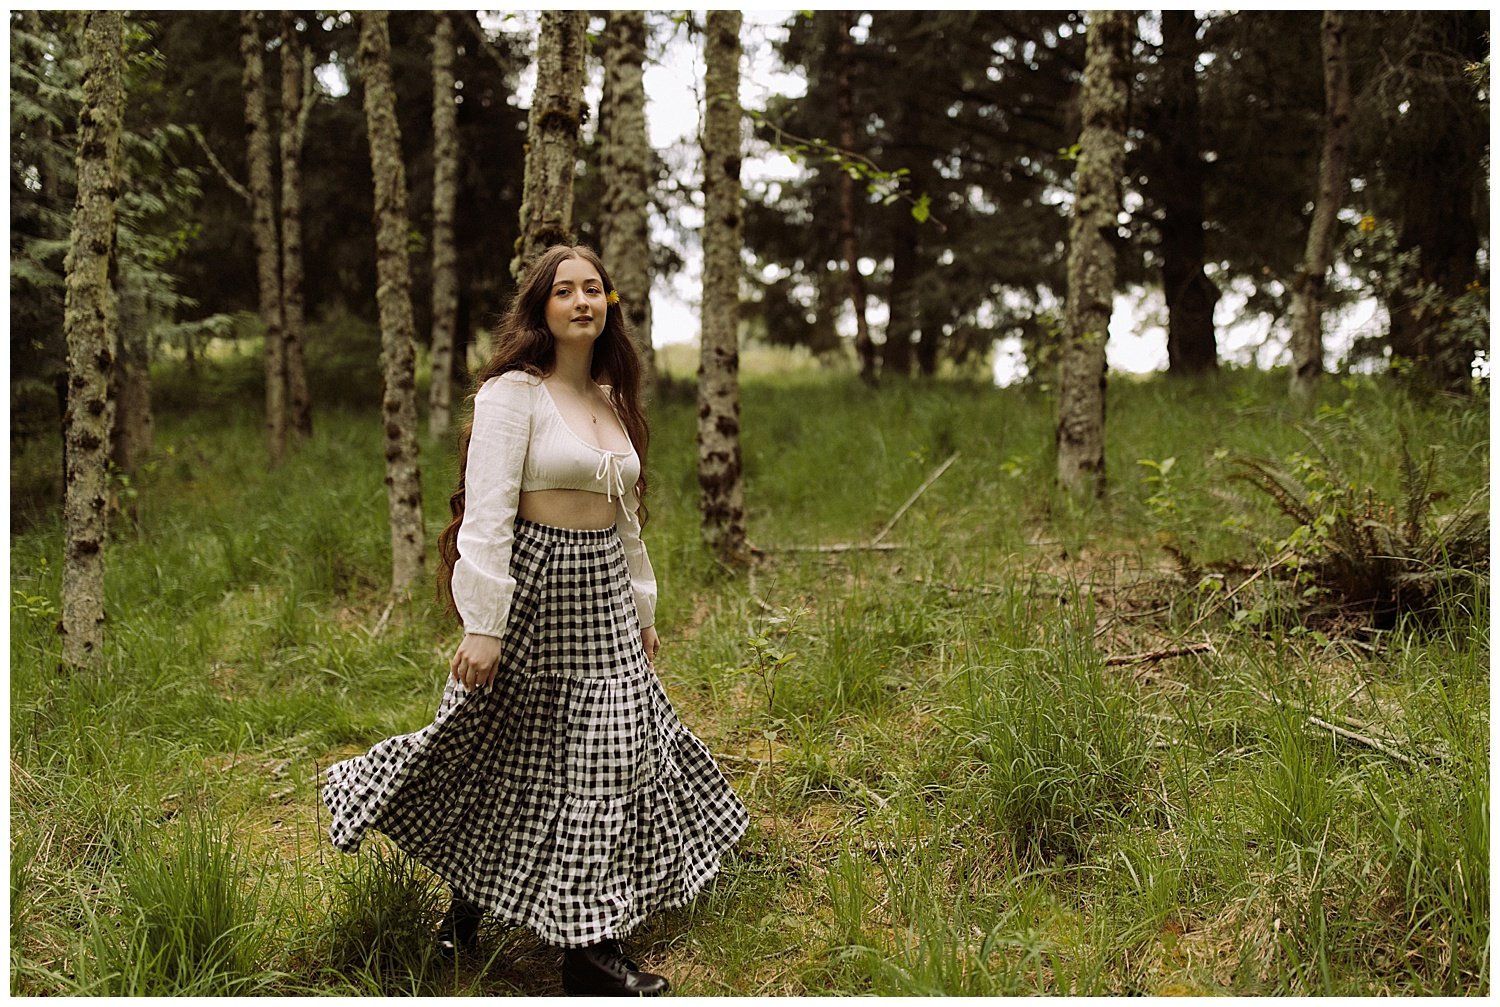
<point>719,469</point>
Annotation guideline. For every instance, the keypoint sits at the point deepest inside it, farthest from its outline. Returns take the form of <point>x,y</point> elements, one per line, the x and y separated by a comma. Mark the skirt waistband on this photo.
<point>551,533</point>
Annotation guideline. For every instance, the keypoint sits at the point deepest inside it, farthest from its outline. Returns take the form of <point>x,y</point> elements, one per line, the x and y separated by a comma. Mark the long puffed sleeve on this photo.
<point>642,577</point>
<point>482,584</point>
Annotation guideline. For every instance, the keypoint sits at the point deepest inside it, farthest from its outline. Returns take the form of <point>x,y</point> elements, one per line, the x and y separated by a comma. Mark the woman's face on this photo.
<point>576,307</point>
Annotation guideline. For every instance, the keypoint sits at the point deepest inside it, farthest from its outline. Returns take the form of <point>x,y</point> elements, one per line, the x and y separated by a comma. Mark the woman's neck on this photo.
<point>571,367</point>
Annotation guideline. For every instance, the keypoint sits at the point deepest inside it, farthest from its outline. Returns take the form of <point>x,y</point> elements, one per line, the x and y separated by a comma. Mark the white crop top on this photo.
<point>521,442</point>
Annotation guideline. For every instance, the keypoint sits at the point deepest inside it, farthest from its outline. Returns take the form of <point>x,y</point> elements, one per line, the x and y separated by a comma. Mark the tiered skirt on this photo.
<point>566,797</point>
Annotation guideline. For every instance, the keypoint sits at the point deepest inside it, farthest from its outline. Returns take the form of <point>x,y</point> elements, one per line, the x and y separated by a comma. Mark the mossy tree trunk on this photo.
<point>720,478</point>
<point>1091,254</point>
<point>444,204</point>
<point>552,135</point>
<point>628,181</point>
<point>263,225</point>
<point>403,479</point>
<point>296,103</point>
<point>89,323</point>
<point>1312,278</point>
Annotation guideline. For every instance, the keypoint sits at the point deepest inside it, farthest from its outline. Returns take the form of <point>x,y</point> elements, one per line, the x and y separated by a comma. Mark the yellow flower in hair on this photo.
<point>614,297</point>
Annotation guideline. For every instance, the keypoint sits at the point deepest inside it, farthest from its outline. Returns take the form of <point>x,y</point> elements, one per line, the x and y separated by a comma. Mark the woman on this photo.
<point>555,788</point>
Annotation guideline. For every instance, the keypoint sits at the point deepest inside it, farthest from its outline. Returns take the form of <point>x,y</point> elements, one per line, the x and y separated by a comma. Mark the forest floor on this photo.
<point>1035,747</point>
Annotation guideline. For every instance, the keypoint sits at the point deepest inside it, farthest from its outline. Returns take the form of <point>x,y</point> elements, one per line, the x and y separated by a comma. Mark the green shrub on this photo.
<point>1367,555</point>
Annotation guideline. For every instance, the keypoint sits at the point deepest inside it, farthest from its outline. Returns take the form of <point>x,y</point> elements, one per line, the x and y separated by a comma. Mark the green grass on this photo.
<point>953,790</point>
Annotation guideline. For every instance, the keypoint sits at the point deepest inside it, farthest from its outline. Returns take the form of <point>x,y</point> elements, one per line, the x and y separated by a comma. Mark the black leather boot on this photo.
<point>603,970</point>
<point>459,931</point>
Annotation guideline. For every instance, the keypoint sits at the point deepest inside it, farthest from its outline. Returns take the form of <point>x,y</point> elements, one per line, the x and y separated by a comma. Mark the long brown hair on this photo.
<point>523,342</point>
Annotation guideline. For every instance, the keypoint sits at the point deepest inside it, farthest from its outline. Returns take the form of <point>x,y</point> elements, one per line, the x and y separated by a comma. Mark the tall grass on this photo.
<point>954,790</point>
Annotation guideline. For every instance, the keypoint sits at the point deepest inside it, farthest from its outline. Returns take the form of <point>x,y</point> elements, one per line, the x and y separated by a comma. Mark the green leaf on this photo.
<point>922,210</point>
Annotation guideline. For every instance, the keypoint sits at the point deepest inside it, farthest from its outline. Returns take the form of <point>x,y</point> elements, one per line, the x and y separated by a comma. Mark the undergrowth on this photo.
<point>1127,747</point>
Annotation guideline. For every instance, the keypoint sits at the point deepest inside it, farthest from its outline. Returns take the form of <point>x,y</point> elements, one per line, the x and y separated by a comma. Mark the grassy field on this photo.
<point>965,774</point>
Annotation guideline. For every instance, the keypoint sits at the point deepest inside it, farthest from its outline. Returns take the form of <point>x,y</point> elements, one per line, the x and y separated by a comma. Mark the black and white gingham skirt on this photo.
<point>567,797</point>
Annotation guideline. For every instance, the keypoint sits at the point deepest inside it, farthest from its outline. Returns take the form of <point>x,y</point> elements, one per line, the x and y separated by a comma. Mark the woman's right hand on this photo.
<point>476,660</point>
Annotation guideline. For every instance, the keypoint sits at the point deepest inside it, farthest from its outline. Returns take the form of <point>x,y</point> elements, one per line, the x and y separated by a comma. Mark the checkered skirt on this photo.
<point>567,797</point>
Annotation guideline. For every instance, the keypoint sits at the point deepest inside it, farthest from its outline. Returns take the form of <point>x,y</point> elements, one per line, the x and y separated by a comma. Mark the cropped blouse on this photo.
<point>520,442</point>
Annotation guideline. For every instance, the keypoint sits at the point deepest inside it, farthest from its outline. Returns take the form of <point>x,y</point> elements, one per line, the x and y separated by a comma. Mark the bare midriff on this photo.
<point>579,509</point>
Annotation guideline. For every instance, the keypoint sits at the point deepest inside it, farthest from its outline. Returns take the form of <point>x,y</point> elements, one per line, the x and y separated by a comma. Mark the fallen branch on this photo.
<point>1383,746</point>
<point>1240,587</point>
<point>874,545</point>
<point>385,617</point>
<point>1157,655</point>
<point>836,547</point>
<point>1365,740</point>
<point>913,498</point>
<point>969,588</point>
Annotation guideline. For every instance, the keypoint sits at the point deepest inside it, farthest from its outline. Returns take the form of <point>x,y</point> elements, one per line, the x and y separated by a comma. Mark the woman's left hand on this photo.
<point>651,644</point>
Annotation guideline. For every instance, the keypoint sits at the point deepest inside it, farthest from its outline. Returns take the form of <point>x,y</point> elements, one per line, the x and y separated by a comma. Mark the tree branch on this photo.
<point>1382,746</point>
<point>309,96</point>
<point>873,544</point>
<point>229,180</point>
<point>913,498</point>
<point>1158,655</point>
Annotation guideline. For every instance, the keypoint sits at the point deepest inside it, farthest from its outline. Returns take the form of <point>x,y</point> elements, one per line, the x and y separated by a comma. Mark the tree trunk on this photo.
<point>1307,289</point>
<point>1091,255</point>
<point>133,427</point>
<point>403,478</point>
<point>719,473</point>
<point>89,321</point>
<point>928,342</point>
<point>444,203</point>
<point>296,103</point>
<point>263,223</point>
<point>1190,294</point>
<point>628,181</point>
<point>864,347</point>
<point>903,298</point>
<point>557,109</point>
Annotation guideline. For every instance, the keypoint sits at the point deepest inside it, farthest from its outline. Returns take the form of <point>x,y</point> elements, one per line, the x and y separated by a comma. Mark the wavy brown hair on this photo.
<point>523,342</point>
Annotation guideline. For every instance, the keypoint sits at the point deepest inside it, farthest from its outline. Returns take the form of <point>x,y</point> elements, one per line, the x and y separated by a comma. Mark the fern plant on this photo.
<point>1366,553</point>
